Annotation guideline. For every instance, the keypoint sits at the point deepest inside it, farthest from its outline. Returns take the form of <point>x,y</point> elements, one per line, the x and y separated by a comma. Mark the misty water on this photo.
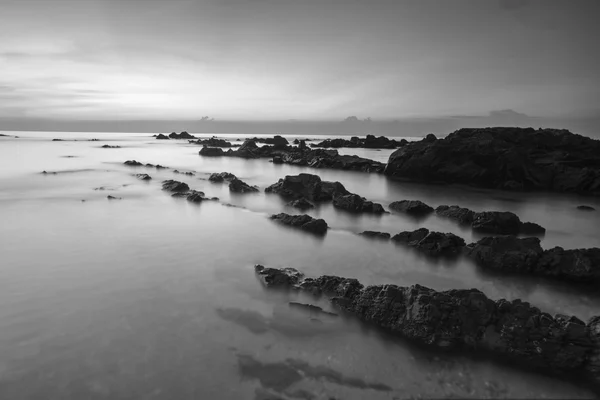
<point>153,297</point>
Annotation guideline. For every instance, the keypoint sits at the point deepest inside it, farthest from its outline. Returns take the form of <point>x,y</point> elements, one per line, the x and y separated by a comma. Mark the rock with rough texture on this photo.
<point>357,204</point>
<point>133,163</point>
<point>301,204</point>
<point>586,208</point>
<point>375,235</point>
<point>369,142</point>
<point>460,319</point>
<point>238,186</point>
<point>463,216</point>
<point>221,176</point>
<point>412,207</point>
<point>503,223</point>
<point>162,137</point>
<point>503,158</point>
<point>578,265</point>
<point>304,222</point>
<point>175,186</point>
<point>431,243</point>
<point>143,177</point>
<point>278,141</point>
<point>211,151</point>
<point>212,142</point>
<point>307,186</point>
<point>182,135</point>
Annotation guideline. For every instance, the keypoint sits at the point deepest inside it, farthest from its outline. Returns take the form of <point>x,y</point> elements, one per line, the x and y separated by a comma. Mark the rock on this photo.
<point>429,138</point>
<point>431,243</point>
<point>310,308</point>
<point>211,151</point>
<point>301,203</point>
<point>182,135</point>
<point>248,149</point>
<point>296,141</point>
<point>277,160</point>
<point>460,319</point>
<point>307,186</point>
<point>109,197</point>
<point>57,140</point>
<point>133,163</point>
<point>195,196</point>
<point>577,265</point>
<point>506,253</point>
<point>175,186</point>
<point>212,142</point>
<point>530,228</point>
<point>304,222</point>
<point>412,207</point>
<point>370,142</point>
<point>143,177</point>
<point>496,222</point>
<point>162,137</point>
<point>463,216</point>
<point>106,146</point>
<point>503,158</point>
<point>221,176</point>
<point>375,235</point>
<point>278,141</point>
<point>238,186</point>
<point>184,173</point>
<point>585,208</point>
<point>356,204</point>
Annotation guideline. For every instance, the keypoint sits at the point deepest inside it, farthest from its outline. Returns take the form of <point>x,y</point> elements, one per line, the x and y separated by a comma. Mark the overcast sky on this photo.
<point>298,59</point>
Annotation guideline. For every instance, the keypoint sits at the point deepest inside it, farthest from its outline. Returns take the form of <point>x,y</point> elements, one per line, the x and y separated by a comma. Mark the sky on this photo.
<point>306,60</point>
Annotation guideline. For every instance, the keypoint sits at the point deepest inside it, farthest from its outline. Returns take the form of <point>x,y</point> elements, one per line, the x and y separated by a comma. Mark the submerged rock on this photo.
<point>460,319</point>
<point>212,142</point>
<point>375,235</point>
<point>109,197</point>
<point>133,163</point>
<point>304,222</point>
<point>143,177</point>
<point>498,222</point>
<point>175,186</point>
<point>431,243</point>
<point>307,186</point>
<point>463,216</point>
<point>586,208</point>
<point>211,151</point>
<point>221,176</point>
<point>106,146</point>
<point>301,204</point>
<point>357,204</point>
<point>412,207</point>
<point>238,186</point>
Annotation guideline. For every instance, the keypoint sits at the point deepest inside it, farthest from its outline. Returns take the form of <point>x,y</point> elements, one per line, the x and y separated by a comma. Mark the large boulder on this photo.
<point>506,253</point>
<point>175,186</point>
<point>238,186</point>
<point>357,204</point>
<point>277,141</point>
<point>133,163</point>
<point>412,207</point>
<point>182,135</point>
<point>581,265</point>
<point>221,176</point>
<point>304,222</point>
<point>499,222</point>
<point>431,243</point>
<point>162,137</point>
<point>463,216</point>
<point>211,151</point>
<point>503,158</point>
<point>307,186</point>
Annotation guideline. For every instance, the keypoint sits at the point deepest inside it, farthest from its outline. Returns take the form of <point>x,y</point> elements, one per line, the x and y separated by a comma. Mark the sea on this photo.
<point>147,296</point>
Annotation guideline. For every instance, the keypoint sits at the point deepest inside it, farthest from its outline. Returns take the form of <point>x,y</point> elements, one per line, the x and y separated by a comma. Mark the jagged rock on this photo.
<point>370,142</point>
<point>195,196</point>
<point>579,265</point>
<point>307,186</point>
<point>301,203</point>
<point>162,137</point>
<point>585,208</point>
<point>504,223</point>
<point>183,173</point>
<point>157,166</point>
<point>431,243</point>
<point>133,163</point>
<point>182,135</point>
<point>458,319</point>
<point>375,235</point>
<point>503,158</point>
<point>462,215</point>
<point>143,177</point>
<point>412,207</point>
<point>357,204</point>
<point>211,151</point>
<point>212,142</point>
<point>238,186</point>
<point>175,186</point>
<point>304,222</point>
<point>221,176</point>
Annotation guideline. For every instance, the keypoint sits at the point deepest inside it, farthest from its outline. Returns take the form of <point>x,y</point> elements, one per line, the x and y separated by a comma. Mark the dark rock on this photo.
<point>277,160</point>
<point>106,146</point>
<point>175,186</point>
<point>461,319</point>
<point>375,235</point>
<point>370,142</point>
<point>585,208</point>
<point>162,137</point>
<point>412,207</point>
<point>278,141</point>
<point>311,308</point>
<point>307,186</point>
<point>184,173</point>
<point>356,204</point>
<point>296,141</point>
<point>504,158</point>
<point>304,222</point>
<point>506,253</point>
<point>431,243</point>
<point>195,196</point>
<point>496,222</point>
<point>221,176</point>
<point>211,151</point>
<point>57,140</point>
<point>212,142</point>
<point>578,265</point>
<point>530,228</point>
<point>464,216</point>
<point>143,177</point>
<point>133,163</point>
<point>182,135</point>
<point>238,186</point>
<point>113,197</point>
<point>429,138</point>
<point>302,204</point>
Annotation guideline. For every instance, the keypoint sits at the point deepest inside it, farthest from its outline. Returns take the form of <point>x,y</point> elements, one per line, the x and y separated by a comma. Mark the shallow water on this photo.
<point>153,297</point>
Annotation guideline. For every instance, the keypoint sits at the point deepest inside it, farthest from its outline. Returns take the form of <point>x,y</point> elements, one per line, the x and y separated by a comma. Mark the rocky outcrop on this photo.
<point>238,186</point>
<point>497,222</point>
<point>304,222</point>
<point>193,196</point>
<point>431,243</point>
<point>307,186</point>
<point>515,255</point>
<point>460,319</point>
<point>504,158</point>
<point>162,137</point>
<point>301,204</point>
<point>357,204</point>
<point>370,142</point>
<point>463,216</point>
<point>182,135</point>
<point>375,235</point>
<point>412,207</point>
<point>212,142</point>
<point>106,146</point>
<point>211,151</point>
<point>133,163</point>
<point>221,176</point>
<point>143,177</point>
<point>175,186</point>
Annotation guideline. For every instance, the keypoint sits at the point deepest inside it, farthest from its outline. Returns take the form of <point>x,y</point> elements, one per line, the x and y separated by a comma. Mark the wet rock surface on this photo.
<point>497,222</point>
<point>357,204</point>
<point>133,163</point>
<point>212,142</point>
<point>503,158</point>
<point>412,207</point>
<point>463,216</point>
<point>525,255</point>
<point>304,222</point>
<point>175,186</point>
<point>160,136</point>
<point>238,186</point>
<point>375,235</point>
<point>460,319</point>
<point>211,151</point>
<point>221,177</point>
<point>431,243</point>
<point>307,186</point>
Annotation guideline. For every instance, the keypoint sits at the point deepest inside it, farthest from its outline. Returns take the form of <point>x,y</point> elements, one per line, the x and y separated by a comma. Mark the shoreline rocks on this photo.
<point>182,135</point>
<point>175,186</point>
<point>411,207</point>
<point>460,319</point>
<point>357,204</point>
<point>304,222</point>
<point>211,151</point>
<point>301,204</point>
<point>212,142</point>
<point>431,243</point>
<point>221,177</point>
<point>143,177</point>
<point>498,222</point>
<point>375,235</point>
<point>238,186</point>
<point>369,142</point>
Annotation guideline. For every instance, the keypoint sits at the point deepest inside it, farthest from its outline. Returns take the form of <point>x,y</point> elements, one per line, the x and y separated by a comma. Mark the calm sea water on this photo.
<point>151,297</point>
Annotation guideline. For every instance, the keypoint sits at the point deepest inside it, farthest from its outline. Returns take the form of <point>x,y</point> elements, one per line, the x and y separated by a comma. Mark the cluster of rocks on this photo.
<point>369,142</point>
<point>503,158</point>
<point>498,222</point>
<point>235,185</point>
<point>311,187</point>
<point>106,146</point>
<point>460,319</point>
<point>143,177</point>
<point>277,141</point>
<point>431,243</point>
<point>212,142</point>
<point>181,189</point>
<point>134,163</point>
<point>304,222</point>
<point>174,135</point>
<point>221,177</point>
